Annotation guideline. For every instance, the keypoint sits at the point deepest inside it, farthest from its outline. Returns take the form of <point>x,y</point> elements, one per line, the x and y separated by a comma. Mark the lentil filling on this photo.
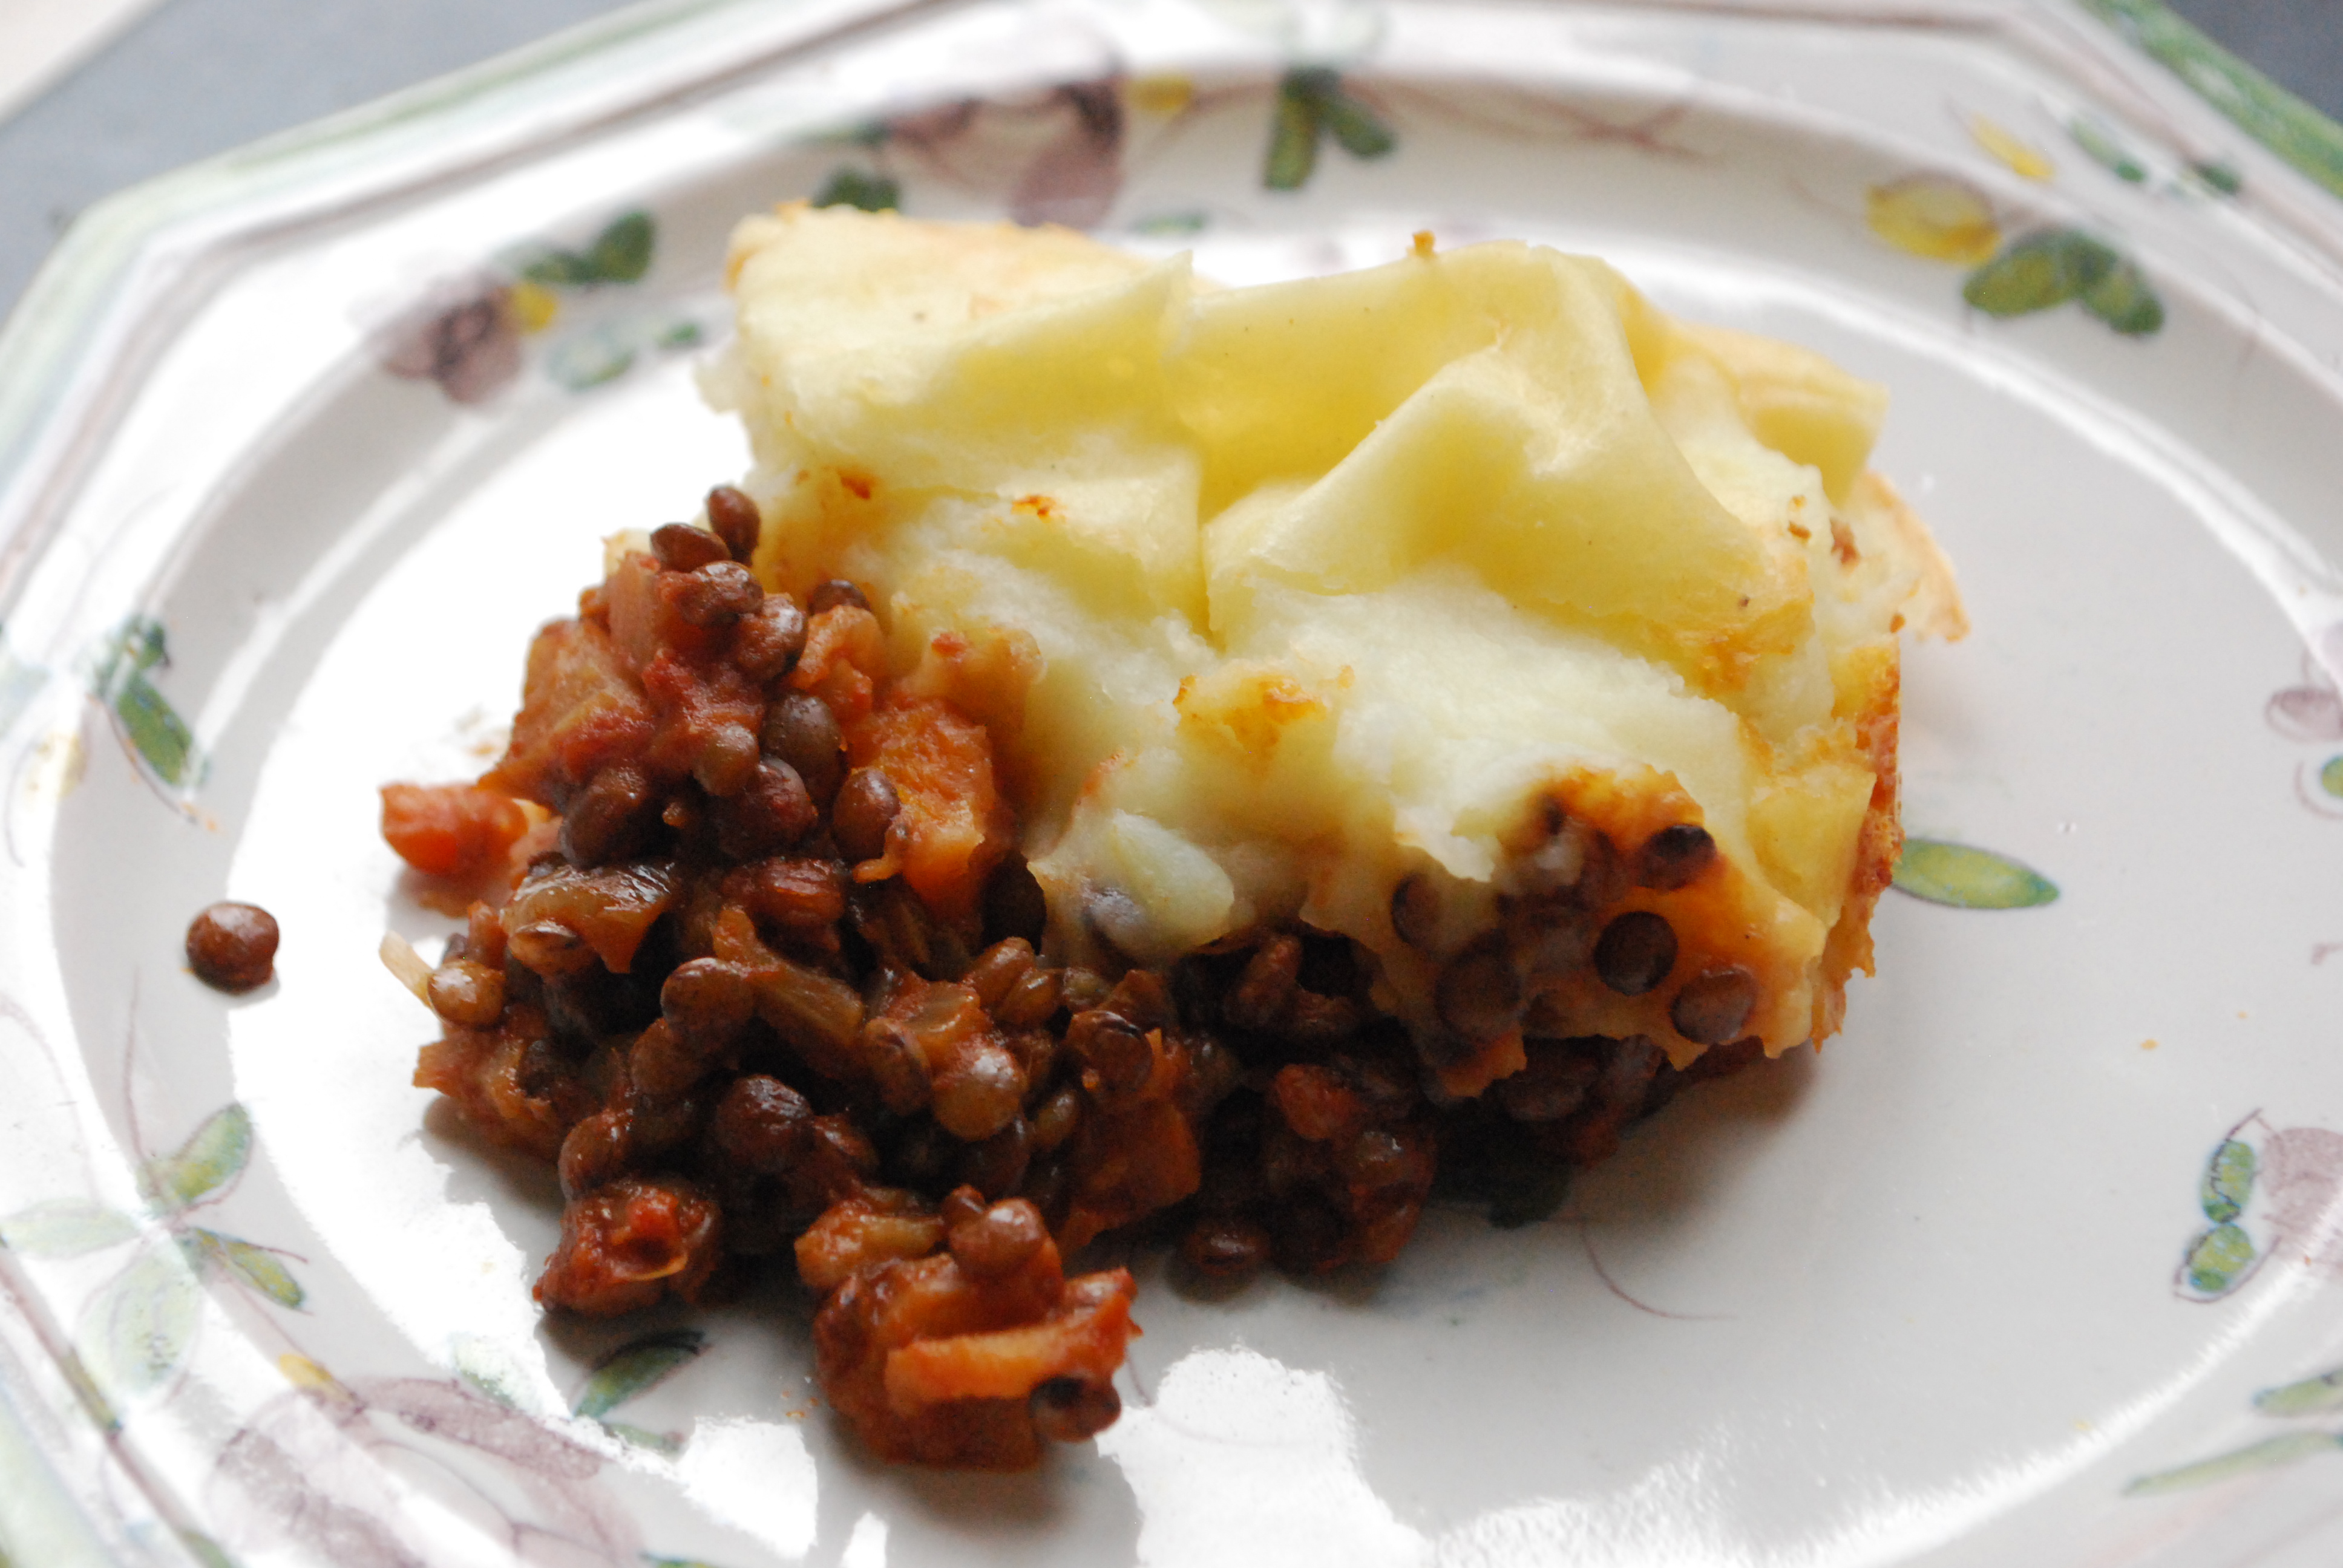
<point>770,990</point>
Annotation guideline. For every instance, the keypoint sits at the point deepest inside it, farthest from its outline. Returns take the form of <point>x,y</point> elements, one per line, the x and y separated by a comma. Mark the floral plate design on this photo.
<point>2039,1262</point>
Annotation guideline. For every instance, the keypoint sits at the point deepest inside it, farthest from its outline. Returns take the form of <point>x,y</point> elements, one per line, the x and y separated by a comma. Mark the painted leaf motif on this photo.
<point>2106,150</point>
<point>2229,1181</point>
<point>2009,149</point>
<point>156,730</point>
<point>204,1550</point>
<point>622,252</point>
<point>1293,136</point>
<point>559,269</point>
<point>851,187</point>
<point>487,1369</point>
<point>2307,1396</point>
<point>588,359</point>
<point>636,1367</point>
<point>65,1228</point>
<point>1970,879</point>
<point>2330,777</point>
<point>2218,1258</point>
<point>2124,300</point>
<point>257,1266</point>
<point>140,645</point>
<point>1936,217</point>
<point>1355,128</point>
<point>666,1443</point>
<point>119,680</point>
<point>135,1333</point>
<point>2221,176</point>
<point>2264,1456</point>
<point>2037,272</point>
<point>209,1159</point>
<point>1173,223</point>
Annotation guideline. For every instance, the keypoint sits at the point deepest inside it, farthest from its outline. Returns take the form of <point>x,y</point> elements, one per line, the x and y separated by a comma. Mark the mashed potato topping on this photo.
<point>1469,607</point>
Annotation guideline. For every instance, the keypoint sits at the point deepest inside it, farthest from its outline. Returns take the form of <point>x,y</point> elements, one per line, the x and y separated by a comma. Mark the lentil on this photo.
<point>1636,952</point>
<point>233,947</point>
<point>735,520</point>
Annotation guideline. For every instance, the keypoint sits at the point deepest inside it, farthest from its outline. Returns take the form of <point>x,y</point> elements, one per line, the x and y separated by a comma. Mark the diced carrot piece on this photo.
<point>450,830</point>
<point>955,826</point>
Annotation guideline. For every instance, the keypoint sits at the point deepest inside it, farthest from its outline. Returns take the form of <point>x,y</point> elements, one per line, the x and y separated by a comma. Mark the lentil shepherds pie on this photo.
<point>1138,754</point>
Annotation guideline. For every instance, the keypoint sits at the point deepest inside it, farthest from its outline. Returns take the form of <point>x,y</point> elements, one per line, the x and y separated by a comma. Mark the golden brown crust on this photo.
<point>1875,671</point>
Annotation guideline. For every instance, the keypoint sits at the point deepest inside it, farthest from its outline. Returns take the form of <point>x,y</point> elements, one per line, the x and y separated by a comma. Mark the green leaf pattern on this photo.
<point>257,1266</point>
<point>2046,269</point>
<point>2106,150</point>
<point>1313,104</point>
<point>1970,879</point>
<point>212,1156</point>
<point>2229,1182</point>
<point>2217,1259</point>
<point>135,1333</point>
<point>851,186</point>
<point>2305,1396</point>
<point>147,720</point>
<point>2265,1455</point>
<point>636,1367</point>
<point>621,253</point>
<point>2216,1263</point>
<point>66,1228</point>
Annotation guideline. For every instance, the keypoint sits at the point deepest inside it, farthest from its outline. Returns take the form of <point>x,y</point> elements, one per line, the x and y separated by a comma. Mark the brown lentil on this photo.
<point>801,732</point>
<point>866,808</point>
<point>1480,992</point>
<point>997,1240</point>
<point>833,593</point>
<point>1636,952</point>
<point>233,947</point>
<point>766,641</point>
<point>1711,1007</point>
<point>468,993</point>
<point>681,547</point>
<point>596,1151</point>
<point>717,594</point>
<point>707,1001</point>
<point>770,814</point>
<point>979,1093</point>
<point>1674,856</point>
<point>735,520</point>
<point>1073,1410</point>
<point>761,1123</point>
<point>1226,1247</point>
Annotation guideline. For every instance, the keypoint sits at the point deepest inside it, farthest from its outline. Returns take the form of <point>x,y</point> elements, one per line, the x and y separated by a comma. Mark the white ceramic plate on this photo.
<point>2034,1264</point>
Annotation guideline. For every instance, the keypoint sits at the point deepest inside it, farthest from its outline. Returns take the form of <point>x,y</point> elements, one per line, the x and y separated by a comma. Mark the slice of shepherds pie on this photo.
<point>1469,608</point>
<point>1144,758</point>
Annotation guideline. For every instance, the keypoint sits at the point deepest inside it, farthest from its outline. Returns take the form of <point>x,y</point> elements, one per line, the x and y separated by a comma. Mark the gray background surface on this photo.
<point>198,76</point>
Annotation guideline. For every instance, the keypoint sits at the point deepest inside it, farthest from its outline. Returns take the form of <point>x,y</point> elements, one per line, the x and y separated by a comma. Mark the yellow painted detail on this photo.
<point>2011,150</point>
<point>1935,216</point>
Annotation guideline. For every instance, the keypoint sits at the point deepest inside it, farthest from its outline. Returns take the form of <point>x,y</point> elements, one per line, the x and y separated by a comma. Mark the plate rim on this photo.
<point>101,305</point>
